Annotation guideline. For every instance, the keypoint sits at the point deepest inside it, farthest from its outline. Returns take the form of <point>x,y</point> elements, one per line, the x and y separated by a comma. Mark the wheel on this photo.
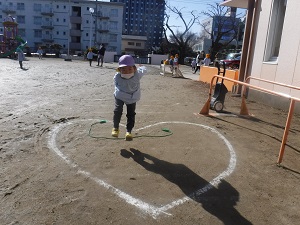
<point>218,106</point>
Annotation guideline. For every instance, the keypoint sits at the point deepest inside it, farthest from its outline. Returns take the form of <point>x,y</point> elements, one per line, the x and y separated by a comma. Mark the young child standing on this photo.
<point>40,52</point>
<point>90,56</point>
<point>207,60</point>
<point>171,63</point>
<point>176,67</point>
<point>128,92</point>
<point>21,57</point>
<point>193,64</point>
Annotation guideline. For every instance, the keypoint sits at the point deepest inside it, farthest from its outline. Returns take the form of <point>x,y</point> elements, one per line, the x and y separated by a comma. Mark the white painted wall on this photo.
<point>109,56</point>
<point>287,68</point>
<point>156,59</point>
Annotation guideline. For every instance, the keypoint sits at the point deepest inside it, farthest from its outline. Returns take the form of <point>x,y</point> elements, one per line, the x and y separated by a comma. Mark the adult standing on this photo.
<point>199,59</point>
<point>101,53</point>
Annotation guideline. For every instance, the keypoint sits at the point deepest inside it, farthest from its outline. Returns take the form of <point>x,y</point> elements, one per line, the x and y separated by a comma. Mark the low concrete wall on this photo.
<point>272,100</point>
<point>109,56</point>
<point>207,72</point>
<point>156,59</point>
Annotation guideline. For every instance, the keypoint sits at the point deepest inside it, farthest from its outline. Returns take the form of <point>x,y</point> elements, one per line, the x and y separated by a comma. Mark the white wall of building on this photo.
<point>283,67</point>
<point>156,59</point>
<point>287,68</point>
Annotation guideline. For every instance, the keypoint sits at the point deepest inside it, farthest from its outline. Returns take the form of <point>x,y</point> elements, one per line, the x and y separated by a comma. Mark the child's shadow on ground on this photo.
<point>218,201</point>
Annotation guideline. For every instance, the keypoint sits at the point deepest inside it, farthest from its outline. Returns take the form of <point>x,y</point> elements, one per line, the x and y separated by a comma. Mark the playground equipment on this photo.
<point>9,41</point>
<point>244,110</point>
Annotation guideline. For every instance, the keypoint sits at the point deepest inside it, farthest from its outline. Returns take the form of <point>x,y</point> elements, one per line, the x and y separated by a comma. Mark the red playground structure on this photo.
<point>9,41</point>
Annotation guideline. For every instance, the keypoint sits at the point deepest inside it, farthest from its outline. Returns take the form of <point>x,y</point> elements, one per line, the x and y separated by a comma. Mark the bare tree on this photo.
<point>220,27</point>
<point>180,40</point>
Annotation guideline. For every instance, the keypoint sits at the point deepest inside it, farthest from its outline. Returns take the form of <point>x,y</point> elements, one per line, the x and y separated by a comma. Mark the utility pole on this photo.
<point>91,24</point>
<point>68,58</point>
<point>96,22</point>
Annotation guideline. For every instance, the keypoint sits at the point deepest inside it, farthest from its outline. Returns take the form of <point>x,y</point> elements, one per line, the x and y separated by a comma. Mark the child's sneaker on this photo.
<point>115,132</point>
<point>128,136</point>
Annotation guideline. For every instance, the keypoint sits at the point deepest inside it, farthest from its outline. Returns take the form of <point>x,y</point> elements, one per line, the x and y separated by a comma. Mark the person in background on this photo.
<point>40,52</point>
<point>90,56</point>
<point>21,57</point>
<point>193,64</point>
<point>128,92</point>
<point>176,67</point>
<point>199,59</point>
<point>207,60</point>
<point>171,63</point>
<point>100,54</point>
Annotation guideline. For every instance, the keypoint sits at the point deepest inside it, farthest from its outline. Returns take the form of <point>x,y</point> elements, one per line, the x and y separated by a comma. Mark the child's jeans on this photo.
<point>118,111</point>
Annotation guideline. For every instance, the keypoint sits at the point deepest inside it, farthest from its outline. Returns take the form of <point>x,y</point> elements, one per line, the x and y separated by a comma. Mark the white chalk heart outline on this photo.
<point>144,206</point>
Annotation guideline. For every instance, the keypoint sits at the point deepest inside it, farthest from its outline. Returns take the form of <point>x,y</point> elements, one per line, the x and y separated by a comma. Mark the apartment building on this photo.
<point>144,18</point>
<point>74,24</point>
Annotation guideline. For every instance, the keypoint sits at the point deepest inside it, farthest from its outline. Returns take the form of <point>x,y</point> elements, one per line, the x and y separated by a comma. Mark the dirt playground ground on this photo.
<point>59,165</point>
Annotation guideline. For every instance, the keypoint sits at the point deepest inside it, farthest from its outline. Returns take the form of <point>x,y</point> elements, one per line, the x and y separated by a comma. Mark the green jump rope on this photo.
<point>168,132</point>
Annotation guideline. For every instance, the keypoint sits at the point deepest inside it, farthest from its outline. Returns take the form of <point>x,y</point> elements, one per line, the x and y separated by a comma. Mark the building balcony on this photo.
<point>47,38</point>
<point>101,16</point>
<point>103,30</point>
<point>74,32</point>
<point>47,25</point>
<point>47,12</point>
<point>103,41</point>
<point>9,9</point>
<point>75,19</point>
<point>75,46</point>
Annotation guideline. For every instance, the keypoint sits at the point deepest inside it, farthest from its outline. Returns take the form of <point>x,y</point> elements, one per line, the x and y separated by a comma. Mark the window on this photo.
<point>130,43</point>
<point>21,32</point>
<point>113,37</point>
<point>37,7</point>
<point>138,44</point>
<point>113,25</point>
<point>37,33</point>
<point>20,6</point>
<point>21,19</point>
<point>275,30</point>
<point>114,12</point>
<point>37,20</point>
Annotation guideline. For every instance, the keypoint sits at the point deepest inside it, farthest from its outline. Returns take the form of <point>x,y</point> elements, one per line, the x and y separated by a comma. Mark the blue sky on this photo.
<point>186,7</point>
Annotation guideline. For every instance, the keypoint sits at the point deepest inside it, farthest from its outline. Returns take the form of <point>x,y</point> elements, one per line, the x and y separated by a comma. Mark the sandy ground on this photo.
<point>60,166</point>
